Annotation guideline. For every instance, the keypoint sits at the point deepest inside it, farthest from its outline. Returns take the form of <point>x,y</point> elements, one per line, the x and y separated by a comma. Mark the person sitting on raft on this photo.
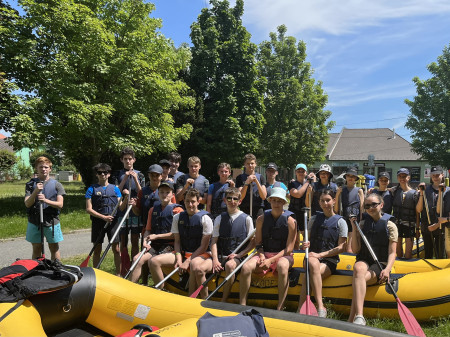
<point>382,235</point>
<point>275,238</point>
<point>192,230</point>
<point>328,238</point>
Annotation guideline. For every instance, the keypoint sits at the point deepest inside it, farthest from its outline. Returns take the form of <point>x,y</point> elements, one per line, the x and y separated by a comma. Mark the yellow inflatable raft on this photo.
<point>103,304</point>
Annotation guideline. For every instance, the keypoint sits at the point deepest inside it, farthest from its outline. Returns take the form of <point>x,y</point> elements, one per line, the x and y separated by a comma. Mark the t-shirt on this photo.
<point>206,222</point>
<point>90,191</point>
<point>248,222</point>
<point>392,230</point>
<point>342,226</point>
<point>257,200</point>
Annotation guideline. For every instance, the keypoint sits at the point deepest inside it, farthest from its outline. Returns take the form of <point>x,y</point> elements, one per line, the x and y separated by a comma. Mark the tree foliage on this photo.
<point>7,161</point>
<point>296,129</point>
<point>429,118</point>
<point>99,77</point>
<point>223,74</point>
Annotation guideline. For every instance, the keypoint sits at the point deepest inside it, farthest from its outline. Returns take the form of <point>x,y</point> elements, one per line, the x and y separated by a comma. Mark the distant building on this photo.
<point>373,151</point>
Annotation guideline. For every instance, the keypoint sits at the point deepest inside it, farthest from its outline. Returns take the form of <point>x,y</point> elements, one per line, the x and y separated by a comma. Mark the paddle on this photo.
<point>135,263</point>
<point>125,260</point>
<point>231,274</point>
<point>250,235</point>
<point>425,201</point>
<point>99,238</point>
<point>250,189</point>
<point>308,307</point>
<point>41,224</point>
<point>167,277</point>
<point>409,321</point>
<point>417,234</point>
<point>125,216</point>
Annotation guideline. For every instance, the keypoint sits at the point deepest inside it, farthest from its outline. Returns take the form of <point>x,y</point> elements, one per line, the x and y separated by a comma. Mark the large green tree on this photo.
<point>296,129</point>
<point>224,76</point>
<point>429,120</point>
<point>99,77</point>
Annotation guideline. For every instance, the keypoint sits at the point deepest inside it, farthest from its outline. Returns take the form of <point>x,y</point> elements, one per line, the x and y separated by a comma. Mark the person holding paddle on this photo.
<point>382,235</point>
<point>275,237</point>
<point>101,201</point>
<point>328,239</point>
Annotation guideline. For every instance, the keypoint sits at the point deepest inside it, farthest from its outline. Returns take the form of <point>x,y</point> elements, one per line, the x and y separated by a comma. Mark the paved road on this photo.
<point>76,243</point>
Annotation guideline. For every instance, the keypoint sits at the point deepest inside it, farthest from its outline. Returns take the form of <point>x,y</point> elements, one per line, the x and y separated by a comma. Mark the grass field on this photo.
<point>13,224</point>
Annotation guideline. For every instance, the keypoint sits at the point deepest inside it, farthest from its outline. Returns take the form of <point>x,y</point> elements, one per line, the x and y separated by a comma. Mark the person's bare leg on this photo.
<point>245,279</point>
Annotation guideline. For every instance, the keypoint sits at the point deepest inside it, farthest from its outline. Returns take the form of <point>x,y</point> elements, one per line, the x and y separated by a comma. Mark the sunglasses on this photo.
<point>232,199</point>
<point>372,205</point>
<point>102,172</point>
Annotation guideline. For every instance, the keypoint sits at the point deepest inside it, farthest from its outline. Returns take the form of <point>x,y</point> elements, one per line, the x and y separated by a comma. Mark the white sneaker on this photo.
<point>359,319</point>
<point>322,313</point>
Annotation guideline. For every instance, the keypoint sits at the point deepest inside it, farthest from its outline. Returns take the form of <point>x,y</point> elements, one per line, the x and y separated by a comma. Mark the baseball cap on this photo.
<point>436,170</point>
<point>272,166</point>
<point>384,174</point>
<point>403,170</point>
<point>168,184</point>
<point>301,166</point>
<point>164,162</point>
<point>155,168</point>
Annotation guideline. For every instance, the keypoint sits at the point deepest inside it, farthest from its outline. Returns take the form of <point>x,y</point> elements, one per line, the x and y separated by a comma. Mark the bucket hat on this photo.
<point>278,192</point>
<point>326,168</point>
<point>351,171</point>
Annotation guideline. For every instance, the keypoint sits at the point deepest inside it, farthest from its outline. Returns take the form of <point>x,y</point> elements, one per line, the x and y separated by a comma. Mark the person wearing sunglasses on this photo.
<point>382,235</point>
<point>230,229</point>
<point>101,199</point>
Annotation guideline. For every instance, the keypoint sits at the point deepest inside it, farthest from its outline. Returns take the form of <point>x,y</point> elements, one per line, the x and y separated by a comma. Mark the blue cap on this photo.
<point>155,168</point>
<point>299,166</point>
<point>403,170</point>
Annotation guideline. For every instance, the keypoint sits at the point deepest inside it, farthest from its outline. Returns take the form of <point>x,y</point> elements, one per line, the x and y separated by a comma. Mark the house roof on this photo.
<point>2,136</point>
<point>358,144</point>
<point>5,146</point>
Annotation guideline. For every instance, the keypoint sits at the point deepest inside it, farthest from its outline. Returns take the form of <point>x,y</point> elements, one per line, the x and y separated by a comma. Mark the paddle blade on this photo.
<point>195,293</point>
<point>409,321</point>
<point>308,308</point>
<point>125,261</point>
<point>85,262</point>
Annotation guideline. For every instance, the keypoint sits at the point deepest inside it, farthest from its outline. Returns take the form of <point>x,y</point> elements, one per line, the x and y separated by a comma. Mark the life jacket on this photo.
<point>199,184</point>
<point>275,233</point>
<point>129,185</point>
<point>317,191</point>
<point>149,197</point>
<point>191,231</point>
<point>350,201</point>
<point>218,205</point>
<point>269,192</point>
<point>432,196</point>
<point>162,221</point>
<point>325,234</point>
<point>25,278</point>
<point>378,236</point>
<point>257,200</point>
<point>297,204</point>
<point>231,233</point>
<point>104,199</point>
<point>446,209</point>
<point>50,213</point>
<point>404,205</point>
<point>387,200</point>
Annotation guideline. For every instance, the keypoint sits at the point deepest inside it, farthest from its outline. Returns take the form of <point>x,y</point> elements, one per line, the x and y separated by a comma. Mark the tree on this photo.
<point>7,161</point>
<point>429,118</point>
<point>98,77</point>
<point>223,75</point>
<point>296,129</point>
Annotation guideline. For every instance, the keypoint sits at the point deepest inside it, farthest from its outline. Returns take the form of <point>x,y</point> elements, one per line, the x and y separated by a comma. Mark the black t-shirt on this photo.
<point>258,202</point>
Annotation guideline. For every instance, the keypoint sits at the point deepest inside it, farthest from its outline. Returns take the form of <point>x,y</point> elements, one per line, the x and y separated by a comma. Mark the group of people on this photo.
<point>197,227</point>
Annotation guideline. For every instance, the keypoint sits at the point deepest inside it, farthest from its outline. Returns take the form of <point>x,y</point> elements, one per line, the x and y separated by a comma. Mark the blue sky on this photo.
<point>366,53</point>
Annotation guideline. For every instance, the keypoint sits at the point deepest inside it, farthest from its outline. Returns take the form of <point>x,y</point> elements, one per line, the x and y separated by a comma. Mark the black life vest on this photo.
<point>432,196</point>
<point>200,184</point>
<point>257,200</point>
<point>50,212</point>
<point>404,205</point>
<point>191,231</point>
<point>218,205</point>
<point>269,192</point>
<point>325,234</point>
<point>297,204</point>
<point>275,233</point>
<point>378,236</point>
<point>446,209</point>
<point>350,201</point>
<point>162,221</point>
<point>104,199</point>
<point>130,185</point>
<point>25,278</point>
<point>149,198</point>
<point>231,233</point>
<point>317,190</point>
<point>387,200</point>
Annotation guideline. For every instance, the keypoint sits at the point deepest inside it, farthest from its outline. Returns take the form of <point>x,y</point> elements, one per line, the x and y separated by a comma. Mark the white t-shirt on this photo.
<point>206,222</point>
<point>248,222</point>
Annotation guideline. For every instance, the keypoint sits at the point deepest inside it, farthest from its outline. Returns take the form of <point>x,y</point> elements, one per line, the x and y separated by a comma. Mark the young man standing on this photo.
<point>50,193</point>
<point>193,180</point>
<point>271,175</point>
<point>101,199</point>
<point>192,231</point>
<point>165,164</point>
<point>174,159</point>
<point>215,203</point>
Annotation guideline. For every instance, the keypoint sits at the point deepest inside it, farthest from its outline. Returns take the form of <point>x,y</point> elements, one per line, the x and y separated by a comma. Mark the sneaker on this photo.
<point>322,313</point>
<point>359,319</point>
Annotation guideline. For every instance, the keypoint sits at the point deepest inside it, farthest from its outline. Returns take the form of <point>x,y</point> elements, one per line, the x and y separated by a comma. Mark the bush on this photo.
<point>24,172</point>
<point>7,161</point>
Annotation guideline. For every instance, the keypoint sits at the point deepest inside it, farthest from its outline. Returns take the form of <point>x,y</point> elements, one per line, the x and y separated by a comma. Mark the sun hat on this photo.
<point>278,192</point>
<point>155,168</point>
<point>299,166</point>
<point>351,171</point>
<point>326,168</point>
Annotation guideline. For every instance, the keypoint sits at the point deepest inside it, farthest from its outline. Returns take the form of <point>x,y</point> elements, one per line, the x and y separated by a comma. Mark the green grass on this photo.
<point>13,217</point>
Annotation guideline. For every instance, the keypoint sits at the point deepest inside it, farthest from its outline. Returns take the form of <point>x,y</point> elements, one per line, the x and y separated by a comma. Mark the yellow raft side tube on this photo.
<point>23,321</point>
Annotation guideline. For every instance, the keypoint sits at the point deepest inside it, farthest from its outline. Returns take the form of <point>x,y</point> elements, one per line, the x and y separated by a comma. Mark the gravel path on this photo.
<point>76,243</point>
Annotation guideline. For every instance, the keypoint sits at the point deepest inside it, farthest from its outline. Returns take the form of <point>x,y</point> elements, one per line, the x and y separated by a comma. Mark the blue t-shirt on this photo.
<point>90,191</point>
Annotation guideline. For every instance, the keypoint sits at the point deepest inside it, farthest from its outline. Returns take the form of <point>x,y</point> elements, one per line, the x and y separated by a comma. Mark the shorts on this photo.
<point>205,256</point>
<point>97,228</point>
<point>374,267</point>
<point>273,266</point>
<point>52,234</point>
<point>406,229</point>
<point>157,250</point>
<point>330,264</point>
<point>131,225</point>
